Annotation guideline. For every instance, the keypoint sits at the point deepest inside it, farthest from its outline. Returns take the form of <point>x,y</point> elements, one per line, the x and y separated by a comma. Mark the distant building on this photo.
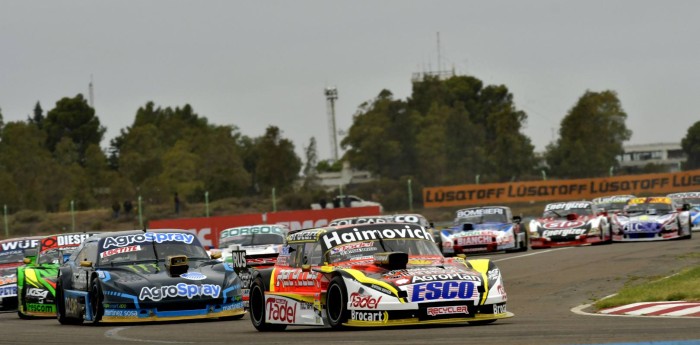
<point>658,157</point>
<point>346,176</point>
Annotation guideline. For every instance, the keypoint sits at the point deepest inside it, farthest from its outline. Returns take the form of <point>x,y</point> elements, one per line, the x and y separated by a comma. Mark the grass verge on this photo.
<point>684,286</point>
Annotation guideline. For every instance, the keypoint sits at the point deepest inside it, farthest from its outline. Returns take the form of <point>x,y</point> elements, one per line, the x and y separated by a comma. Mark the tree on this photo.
<point>310,172</point>
<point>591,137</point>
<point>278,165</point>
<point>75,119</point>
<point>691,147</point>
<point>38,118</point>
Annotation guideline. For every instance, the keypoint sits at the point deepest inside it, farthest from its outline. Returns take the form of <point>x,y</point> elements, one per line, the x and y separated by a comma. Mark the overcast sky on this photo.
<point>254,64</point>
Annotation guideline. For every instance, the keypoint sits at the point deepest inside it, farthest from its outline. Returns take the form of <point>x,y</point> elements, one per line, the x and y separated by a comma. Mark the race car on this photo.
<point>135,276</point>
<point>651,219</point>
<point>261,243</point>
<point>14,252</point>
<point>612,204</point>
<point>692,199</point>
<point>373,275</point>
<point>36,282</point>
<point>483,229</point>
<point>569,224</point>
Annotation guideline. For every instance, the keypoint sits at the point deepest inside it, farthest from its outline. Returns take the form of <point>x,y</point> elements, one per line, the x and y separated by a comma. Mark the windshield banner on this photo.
<point>553,190</point>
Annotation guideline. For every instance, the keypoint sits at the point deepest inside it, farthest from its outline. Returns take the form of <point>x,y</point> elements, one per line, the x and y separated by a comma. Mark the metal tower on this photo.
<point>331,95</point>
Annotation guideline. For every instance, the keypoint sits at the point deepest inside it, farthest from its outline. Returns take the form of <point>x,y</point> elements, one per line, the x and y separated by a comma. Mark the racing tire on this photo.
<point>21,303</point>
<point>61,308</point>
<point>481,322</point>
<point>96,298</point>
<point>336,303</point>
<point>257,308</point>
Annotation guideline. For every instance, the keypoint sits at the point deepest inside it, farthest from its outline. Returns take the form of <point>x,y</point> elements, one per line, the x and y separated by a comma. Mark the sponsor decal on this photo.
<point>493,274</point>
<point>354,248</point>
<point>71,240</point>
<point>10,290</point>
<point>563,232</point>
<point>364,301</point>
<point>641,227</point>
<point>442,290</point>
<point>476,212</point>
<point>499,308</point>
<point>566,206</point>
<point>19,244</point>
<point>180,290</point>
<point>444,276</point>
<point>233,306</point>
<point>114,251</point>
<point>399,218</point>
<point>309,235</point>
<point>238,259</point>
<point>447,310</point>
<point>281,310</point>
<point>193,276</point>
<point>41,308</point>
<point>370,316</point>
<point>252,230</point>
<point>127,240</point>
<point>121,313</point>
<point>563,224</point>
<point>39,293</point>
<point>381,289</point>
<point>474,240</point>
<point>349,235</point>
<point>296,277</point>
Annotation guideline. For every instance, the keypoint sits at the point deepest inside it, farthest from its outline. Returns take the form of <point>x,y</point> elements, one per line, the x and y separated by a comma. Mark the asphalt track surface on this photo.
<point>542,285</point>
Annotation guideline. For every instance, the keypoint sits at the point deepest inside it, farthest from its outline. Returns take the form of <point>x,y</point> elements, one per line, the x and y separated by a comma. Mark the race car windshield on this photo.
<point>11,256</point>
<point>651,208</point>
<point>252,240</point>
<point>144,252</point>
<point>613,206</point>
<point>54,255</point>
<point>486,218</point>
<point>692,201</point>
<point>563,213</point>
<point>364,250</point>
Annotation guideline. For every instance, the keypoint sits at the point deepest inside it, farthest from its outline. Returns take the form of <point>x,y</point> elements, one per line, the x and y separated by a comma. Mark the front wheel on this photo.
<point>257,308</point>
<point>336,303</point>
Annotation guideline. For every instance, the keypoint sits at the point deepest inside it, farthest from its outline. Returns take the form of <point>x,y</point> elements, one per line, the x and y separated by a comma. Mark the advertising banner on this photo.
<point>208,229</point>
<point>560,190</point>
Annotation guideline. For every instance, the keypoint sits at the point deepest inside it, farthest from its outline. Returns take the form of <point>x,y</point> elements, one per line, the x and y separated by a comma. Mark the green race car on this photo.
<point>36,281</point>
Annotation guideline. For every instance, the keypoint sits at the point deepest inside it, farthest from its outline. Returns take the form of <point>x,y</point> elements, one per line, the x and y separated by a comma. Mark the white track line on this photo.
<point>539,251</point>
<point>113,334</point>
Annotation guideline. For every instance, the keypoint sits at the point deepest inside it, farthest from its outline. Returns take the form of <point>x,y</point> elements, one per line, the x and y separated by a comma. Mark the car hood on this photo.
<point>485,229</point>
<point>154,282</point>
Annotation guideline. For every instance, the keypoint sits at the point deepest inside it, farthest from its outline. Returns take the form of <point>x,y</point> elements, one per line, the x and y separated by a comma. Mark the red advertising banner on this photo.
<point>208,229</point>
<point>561,190</point>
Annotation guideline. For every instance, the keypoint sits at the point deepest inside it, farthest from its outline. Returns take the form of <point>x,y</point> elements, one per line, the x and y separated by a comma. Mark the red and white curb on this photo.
<point>674,308</point>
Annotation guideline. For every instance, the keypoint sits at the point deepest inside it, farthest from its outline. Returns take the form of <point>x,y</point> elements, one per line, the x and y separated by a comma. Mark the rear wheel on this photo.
<point>96,299</point>
<point>257,308</point>
<point>61,308</point>
<point>336,303</point>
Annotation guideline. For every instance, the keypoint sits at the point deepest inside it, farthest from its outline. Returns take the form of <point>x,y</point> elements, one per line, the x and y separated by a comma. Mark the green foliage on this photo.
<point>29,216</point>
<point>72,118</point>
<point>448,132</point>
<point>591,137</point>
<point>691,147</point>
<point>277,164</point>
<point>328,165</point>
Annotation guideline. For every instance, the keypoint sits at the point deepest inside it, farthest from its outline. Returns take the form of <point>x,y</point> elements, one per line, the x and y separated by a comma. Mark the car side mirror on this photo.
<point>215,254</point>
<point>86,263</point>
<point>27,261</point>
<point>517,219</point>
<point>686,207</point>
